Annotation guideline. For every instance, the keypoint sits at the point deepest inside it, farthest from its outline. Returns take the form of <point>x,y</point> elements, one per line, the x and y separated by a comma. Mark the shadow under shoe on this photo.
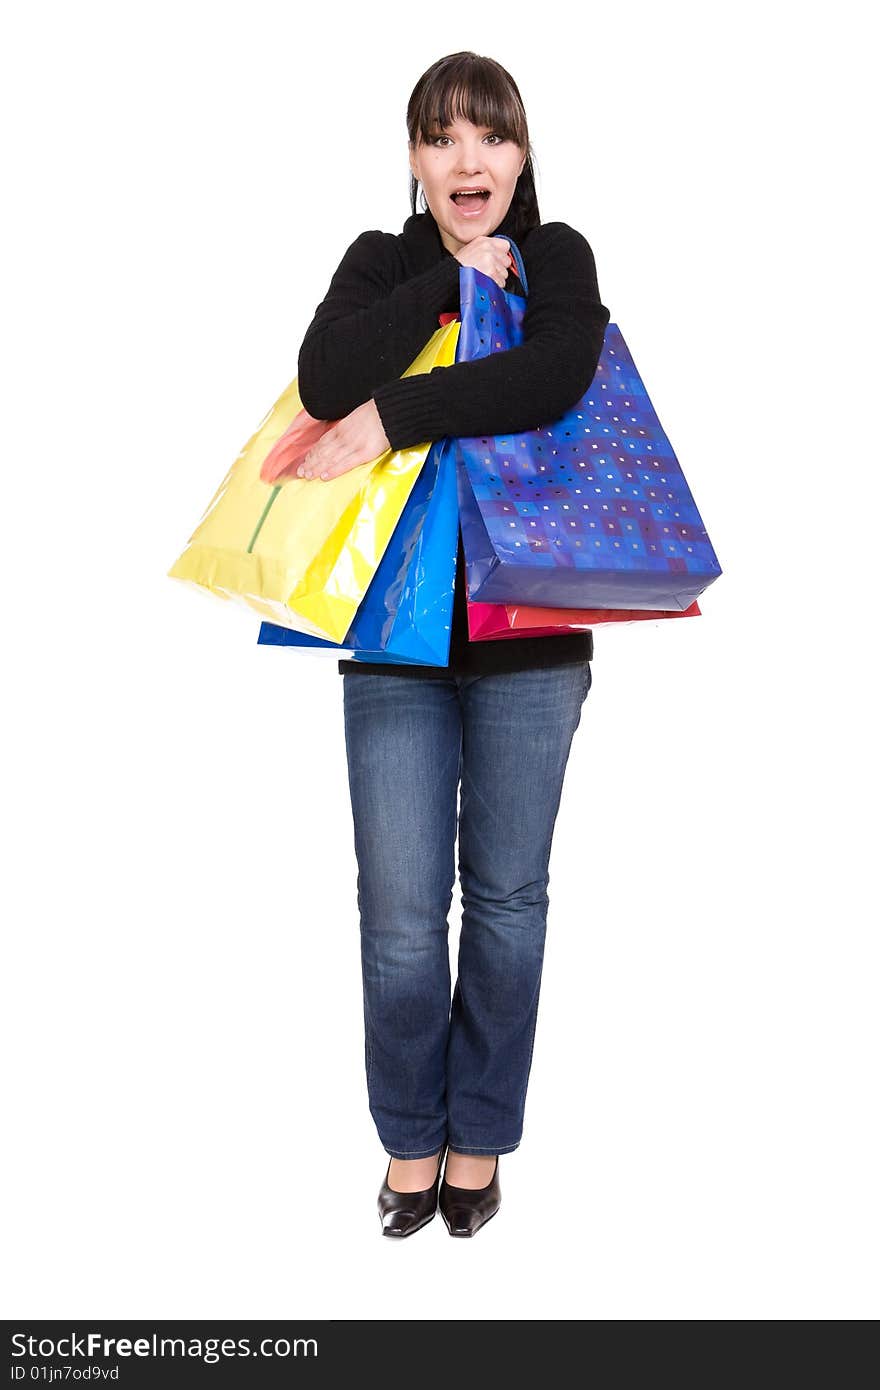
<point>466,1209</point>
<point>403,1213</point>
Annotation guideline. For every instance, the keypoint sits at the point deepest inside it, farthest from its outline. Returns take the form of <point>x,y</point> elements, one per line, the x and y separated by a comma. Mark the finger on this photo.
<point>314,462</point>
<point>310,468</point>
<point>341,463</point>
<point>318,453</point>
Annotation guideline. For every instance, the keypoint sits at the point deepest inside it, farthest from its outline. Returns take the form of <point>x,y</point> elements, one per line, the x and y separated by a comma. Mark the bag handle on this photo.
<point>517,263</point>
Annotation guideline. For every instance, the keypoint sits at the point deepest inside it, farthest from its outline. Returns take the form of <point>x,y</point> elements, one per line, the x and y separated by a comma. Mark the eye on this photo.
<point>433,139</point>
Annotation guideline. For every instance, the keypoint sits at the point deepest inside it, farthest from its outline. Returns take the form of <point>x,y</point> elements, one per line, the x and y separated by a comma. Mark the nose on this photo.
<point>470,162</point>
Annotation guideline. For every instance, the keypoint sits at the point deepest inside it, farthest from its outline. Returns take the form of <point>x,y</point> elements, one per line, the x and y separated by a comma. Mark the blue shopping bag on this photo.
<point>589,511</point>
<point>405,616</point>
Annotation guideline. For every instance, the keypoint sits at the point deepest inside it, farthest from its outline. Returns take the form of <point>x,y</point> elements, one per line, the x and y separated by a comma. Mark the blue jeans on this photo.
<point>437,1075</point>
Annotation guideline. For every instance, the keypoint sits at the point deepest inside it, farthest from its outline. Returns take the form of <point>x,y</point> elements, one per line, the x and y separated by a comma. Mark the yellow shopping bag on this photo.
<point>300,552</point>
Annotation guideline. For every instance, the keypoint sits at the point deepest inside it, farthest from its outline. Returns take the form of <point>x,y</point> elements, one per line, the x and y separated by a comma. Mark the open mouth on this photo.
<point>471,202</point>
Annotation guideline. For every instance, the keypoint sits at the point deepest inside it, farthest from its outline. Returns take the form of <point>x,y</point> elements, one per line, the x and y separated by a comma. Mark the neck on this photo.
<point>503,228</point>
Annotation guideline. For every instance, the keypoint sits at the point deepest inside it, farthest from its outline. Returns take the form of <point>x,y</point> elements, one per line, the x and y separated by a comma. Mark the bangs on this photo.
<point>478,94</point>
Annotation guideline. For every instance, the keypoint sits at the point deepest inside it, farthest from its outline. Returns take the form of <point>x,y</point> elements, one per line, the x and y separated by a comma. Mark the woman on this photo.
<point>500,718</point>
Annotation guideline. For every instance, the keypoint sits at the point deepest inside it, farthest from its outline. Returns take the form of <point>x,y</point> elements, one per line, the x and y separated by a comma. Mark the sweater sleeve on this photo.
<point>368,330</point>
<point>525,386</point>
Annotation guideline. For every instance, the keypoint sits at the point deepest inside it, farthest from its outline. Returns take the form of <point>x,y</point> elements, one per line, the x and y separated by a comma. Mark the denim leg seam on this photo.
<point>369,1043</point>
<point>534,1025</point>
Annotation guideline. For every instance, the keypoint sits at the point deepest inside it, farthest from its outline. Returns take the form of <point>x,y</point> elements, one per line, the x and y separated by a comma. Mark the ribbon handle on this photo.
<point>516,262</point>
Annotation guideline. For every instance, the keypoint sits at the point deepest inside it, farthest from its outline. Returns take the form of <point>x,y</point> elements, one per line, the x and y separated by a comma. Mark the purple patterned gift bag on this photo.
<point>590,511</point>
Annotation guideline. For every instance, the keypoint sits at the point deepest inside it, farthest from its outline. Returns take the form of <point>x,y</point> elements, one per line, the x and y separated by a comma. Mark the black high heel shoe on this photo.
<point>466,1209</point>
<point>403,1213</point>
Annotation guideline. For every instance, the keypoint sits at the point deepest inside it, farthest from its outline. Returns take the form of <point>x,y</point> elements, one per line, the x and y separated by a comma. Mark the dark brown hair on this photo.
<point>471,88</point>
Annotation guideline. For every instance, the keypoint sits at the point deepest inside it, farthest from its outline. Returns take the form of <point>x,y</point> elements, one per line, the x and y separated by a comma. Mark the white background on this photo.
<point>188,1125</point>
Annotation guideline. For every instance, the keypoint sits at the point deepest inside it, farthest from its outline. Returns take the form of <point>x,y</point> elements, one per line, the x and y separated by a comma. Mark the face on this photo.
<point>467,156</point>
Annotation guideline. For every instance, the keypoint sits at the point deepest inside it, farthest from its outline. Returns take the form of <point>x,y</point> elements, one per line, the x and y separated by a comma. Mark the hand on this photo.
<point>357,438</point>
<point>491,255</point>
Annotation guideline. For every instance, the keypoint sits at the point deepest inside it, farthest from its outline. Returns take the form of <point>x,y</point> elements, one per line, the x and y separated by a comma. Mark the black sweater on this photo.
<point>382,307</point>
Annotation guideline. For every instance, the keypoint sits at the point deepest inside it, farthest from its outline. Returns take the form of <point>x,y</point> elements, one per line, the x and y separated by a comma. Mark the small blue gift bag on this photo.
<point>591,511</point>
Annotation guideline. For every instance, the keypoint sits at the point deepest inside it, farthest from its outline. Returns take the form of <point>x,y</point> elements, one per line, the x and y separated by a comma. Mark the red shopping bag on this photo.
<point>490,622</point>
